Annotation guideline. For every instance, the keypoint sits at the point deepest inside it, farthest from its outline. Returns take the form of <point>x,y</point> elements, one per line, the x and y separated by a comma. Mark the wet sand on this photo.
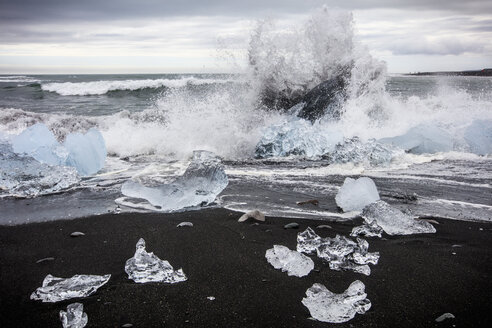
<point>417,279</point>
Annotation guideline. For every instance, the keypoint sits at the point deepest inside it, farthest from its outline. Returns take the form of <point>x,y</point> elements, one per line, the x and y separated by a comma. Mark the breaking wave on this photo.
<point>103,87</point>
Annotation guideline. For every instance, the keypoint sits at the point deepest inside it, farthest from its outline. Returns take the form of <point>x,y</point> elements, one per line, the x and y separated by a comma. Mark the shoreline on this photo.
<point>416,280</point>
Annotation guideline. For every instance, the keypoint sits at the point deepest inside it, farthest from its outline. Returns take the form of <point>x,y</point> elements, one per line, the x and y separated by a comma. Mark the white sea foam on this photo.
<point>103,87</point>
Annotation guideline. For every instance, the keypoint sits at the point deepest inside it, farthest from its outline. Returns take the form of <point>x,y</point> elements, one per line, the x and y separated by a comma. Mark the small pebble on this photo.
<point>453,253</point>
<point>45,259</point>
<point>257,215</point>
<point>444,317</point>
<point>127,325</point>
<point>211,298</point>
<point>292,225</point>
<point>481,229</point>
<point>185,224</point>
<point>456,245</point>
<point>77,234</point>
<point>324,226</point>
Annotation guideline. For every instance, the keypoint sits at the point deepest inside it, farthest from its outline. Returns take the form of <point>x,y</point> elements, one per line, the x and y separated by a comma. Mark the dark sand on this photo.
<point>417,278</point>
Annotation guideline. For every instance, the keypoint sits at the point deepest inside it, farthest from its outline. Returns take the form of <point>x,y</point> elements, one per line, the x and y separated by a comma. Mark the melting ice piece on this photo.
<point>295,263</point>
<point>202,181</point>
<point>59,289</point>
<point>371,229</point>
<point>354,195</point>
<point>326,306</point>
<point>479,137</point>
<point>86,152</point>
<point>340,252</point>
<point>23,176</point>
<point>38,142</point>
<point>423,138</point>
<point>393,221</point>
<point>297,137</point>
<point>308,241</point>
<point>75,317</point>
<point>343,253</point>
<point>146,267</point>
<point>355,151</point>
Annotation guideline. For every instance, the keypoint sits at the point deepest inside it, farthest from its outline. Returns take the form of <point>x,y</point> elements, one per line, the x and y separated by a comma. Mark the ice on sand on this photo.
<point>75,317</point>
<point>371,229</point>
<point>340,252</point>
<point>59,289</point>
<point>146,267</point>
<point>423,138</point>
<point>202,181</point>
<point>354,195</point>
<point>85,152</point>
<point>23,176</point>
<point>295,263</point>
<point>326,306</point>
<point>393,221</point>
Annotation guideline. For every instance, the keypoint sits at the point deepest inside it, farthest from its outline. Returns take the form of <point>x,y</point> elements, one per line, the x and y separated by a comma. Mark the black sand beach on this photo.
<point>417,279</point>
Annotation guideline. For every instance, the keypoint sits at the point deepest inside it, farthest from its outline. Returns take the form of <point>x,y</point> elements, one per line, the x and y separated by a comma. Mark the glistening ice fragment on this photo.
<point>393,221</point>
<point>294,263</point>
<point>326,306</point>
<point>371,229</point>
<point>354,195</point>
<point>75,317</point>
<point>202,181</point>
<point>59,289</point>
<point>146,267</point>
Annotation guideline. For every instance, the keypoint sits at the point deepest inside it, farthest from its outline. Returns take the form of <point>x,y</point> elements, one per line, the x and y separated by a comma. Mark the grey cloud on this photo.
<point>443,46</point>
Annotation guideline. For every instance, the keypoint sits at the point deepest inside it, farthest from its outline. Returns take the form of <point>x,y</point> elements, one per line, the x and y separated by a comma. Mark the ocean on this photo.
<point>151,125</point>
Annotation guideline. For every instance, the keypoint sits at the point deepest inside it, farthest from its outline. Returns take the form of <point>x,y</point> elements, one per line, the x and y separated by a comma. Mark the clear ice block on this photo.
<point>354,195</point>
<point>146,267</point>
<point>326,306</point>
<point>75,317</point>
<point>295,263</point>
<point>59,289</point>
<point>368,229</point>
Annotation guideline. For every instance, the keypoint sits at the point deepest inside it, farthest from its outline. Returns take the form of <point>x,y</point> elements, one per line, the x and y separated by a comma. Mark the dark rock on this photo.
<point>314,202</point>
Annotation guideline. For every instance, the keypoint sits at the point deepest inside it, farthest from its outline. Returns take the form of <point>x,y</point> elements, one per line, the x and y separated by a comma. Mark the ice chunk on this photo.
<point>340,252</point>
<point>308,241</point>
<point>75,317</point>
<point>295,263</point>
<point>393,221</point>
<point>354,195</point>
<point>146,267</point>
<point>86,152</point>
<point>202,181</point>
<point>445,316</point>
<point>326,306</point>
<point>38,142</point>
<point>355,151</point>
<point>59,289</point>
<point>297,137</point>
<point>23,176</point>
<point>423,138</point>
<point>479,137</point>
<point>371,229</point>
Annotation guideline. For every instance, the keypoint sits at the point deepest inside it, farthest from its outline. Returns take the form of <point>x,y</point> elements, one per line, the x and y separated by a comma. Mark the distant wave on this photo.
<point>103,87</point>
<point>17,79</point>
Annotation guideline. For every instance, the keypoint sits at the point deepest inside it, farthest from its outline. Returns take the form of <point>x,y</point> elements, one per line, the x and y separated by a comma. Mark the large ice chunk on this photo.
<point>423,138</point>
<point>393,221</point>
<point>297,137</point>
<point>146,267</point>
<point>326,306</point>
<point>340,252</point>
<point>355,151</point>
<point>23,176</point>
<point>354,195</point>
<point>295,263</point>
<point>75,317</point>
<point>86,152</point>
<point>59,289</point>
<point>479,137</point>
<point>202,181</point>
<point>38,142</point>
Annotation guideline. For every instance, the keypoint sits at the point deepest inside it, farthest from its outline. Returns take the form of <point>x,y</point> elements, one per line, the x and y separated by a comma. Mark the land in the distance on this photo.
<point>482,72</point>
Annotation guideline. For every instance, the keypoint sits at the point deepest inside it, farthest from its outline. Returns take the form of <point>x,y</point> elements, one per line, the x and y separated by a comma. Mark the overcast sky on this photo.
<point>152,36</point>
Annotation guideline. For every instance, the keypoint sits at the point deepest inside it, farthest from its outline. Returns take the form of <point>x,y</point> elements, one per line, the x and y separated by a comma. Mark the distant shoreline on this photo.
<point>482,72</point>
